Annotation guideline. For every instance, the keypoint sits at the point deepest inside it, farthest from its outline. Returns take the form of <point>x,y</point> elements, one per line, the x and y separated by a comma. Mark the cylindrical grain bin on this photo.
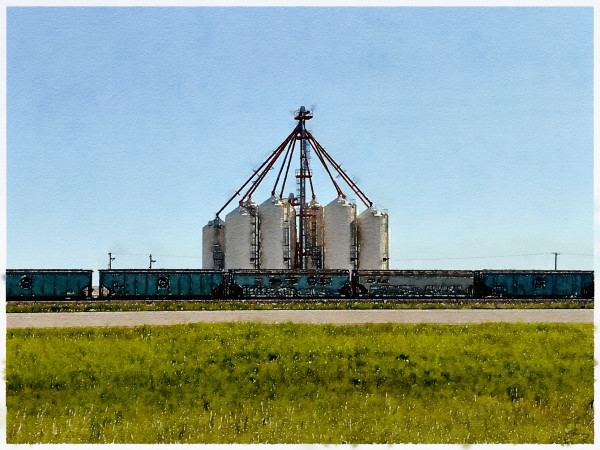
<point>340,235</point>
<point>315,235</point>
<point>373,240</point>
<point>241,237</point>
<point>277,234</point>
<point>213,245</point>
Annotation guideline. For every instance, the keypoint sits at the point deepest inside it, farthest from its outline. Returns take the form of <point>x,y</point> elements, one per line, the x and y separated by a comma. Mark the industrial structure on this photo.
<point>297,232</point>
<point>296,249</point>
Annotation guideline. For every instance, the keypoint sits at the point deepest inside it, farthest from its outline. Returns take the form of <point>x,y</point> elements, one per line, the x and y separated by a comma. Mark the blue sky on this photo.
<point>128,128</point>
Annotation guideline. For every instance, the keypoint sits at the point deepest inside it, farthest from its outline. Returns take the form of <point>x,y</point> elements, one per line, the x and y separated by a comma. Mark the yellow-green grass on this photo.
<point>223,305</point>
<point>256,383</point>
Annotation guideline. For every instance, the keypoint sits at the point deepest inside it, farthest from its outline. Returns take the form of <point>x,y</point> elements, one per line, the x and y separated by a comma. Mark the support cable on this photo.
<point>337,187</point>
<point>266,170</point>
<point>255,172</point>
<point>312,190</point>
<point>264,173</point>
<point>287,170</point>
<point>299,133</point>
<point>339,170</point>
<point>350,183</point>
<point>368,203</point>
<point>287,153</point>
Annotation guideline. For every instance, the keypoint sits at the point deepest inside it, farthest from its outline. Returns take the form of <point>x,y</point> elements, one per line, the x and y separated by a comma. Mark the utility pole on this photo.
<point>151,261</point>
<point>110,260</point>
<point>555,259</point>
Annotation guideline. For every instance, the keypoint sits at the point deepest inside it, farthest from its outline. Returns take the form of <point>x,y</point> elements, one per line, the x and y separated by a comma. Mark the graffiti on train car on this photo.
<point>409,290</point>
<point>284,292</point>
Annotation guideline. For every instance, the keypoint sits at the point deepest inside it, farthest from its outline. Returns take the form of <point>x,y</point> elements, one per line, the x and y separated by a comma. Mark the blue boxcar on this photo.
<point>413,283</point>
<point>161,283</point>
<point>535,283</point>
<point>51,284</point>
<point>290,284</point>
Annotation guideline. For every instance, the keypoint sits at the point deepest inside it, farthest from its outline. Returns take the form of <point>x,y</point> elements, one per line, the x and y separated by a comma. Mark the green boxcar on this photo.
<point>290,284</point>
<point>161,283</point>
<point>40,284</point>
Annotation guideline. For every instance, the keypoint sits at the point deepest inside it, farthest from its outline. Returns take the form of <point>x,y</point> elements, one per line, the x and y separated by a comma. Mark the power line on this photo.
<point>179,256</point>
<point>471,257</point>
<point>403,259</point>
<point>162,256</point>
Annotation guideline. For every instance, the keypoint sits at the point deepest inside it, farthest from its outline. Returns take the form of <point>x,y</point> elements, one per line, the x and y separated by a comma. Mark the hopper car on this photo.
<point>413,283</point>
<point>301,285</point>
<point>304,284</point>
<point>162,283</point>
<point>539,283</point>
<point>28,284</point>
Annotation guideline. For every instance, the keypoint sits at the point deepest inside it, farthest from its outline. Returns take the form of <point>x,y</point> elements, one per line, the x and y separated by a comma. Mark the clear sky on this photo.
<point>128,128</point>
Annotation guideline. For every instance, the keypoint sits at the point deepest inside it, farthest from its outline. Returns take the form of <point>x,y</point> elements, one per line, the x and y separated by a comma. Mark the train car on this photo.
<point>413,283</point>
<point>290,284</point>
<point>48,284</point>
<point>162,284</point>
<point>535,283</point>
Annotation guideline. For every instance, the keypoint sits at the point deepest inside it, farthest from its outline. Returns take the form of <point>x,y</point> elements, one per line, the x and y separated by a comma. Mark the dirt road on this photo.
<point>448,316</point>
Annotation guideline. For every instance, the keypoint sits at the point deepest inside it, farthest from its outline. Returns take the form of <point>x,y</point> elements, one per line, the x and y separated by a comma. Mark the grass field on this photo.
<point>213,305</point>
<point>253,383</point>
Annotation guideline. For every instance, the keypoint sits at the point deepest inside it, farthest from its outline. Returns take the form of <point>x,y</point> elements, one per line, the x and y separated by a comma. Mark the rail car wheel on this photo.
<point>360,290</point>
<point>346,290</point>
<point>235,291</point>
<point>104,291</point>
<point>220,292</point>
<point>86,292</point>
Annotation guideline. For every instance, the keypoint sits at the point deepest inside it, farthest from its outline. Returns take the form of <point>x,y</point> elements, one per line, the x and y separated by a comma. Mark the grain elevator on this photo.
<point>297,232</point>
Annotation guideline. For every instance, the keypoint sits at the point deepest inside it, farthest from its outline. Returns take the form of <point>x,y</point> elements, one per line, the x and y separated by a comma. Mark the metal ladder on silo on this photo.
<point>254,237</point>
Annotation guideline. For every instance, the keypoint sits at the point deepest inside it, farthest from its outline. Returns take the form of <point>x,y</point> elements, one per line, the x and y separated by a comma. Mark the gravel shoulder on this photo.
<point>137,318</point>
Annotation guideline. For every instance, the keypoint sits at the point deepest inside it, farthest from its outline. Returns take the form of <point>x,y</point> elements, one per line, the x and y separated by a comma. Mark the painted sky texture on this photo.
<point>128,128</point>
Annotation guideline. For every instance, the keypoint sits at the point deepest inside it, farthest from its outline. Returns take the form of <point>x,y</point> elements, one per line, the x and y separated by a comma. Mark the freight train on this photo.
<point>299,285</point>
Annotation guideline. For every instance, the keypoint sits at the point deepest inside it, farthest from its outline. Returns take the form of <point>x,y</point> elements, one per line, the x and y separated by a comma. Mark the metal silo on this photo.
<point>340,235</point>
<point>315,235</point>
<point>277,234</point>
<point>373,240</point>
<point>213,245</point>
<point>241,237</point>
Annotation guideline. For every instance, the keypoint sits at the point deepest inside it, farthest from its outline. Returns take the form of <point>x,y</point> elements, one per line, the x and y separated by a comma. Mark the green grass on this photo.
<point>256,383</point>
<point>222,305</point>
